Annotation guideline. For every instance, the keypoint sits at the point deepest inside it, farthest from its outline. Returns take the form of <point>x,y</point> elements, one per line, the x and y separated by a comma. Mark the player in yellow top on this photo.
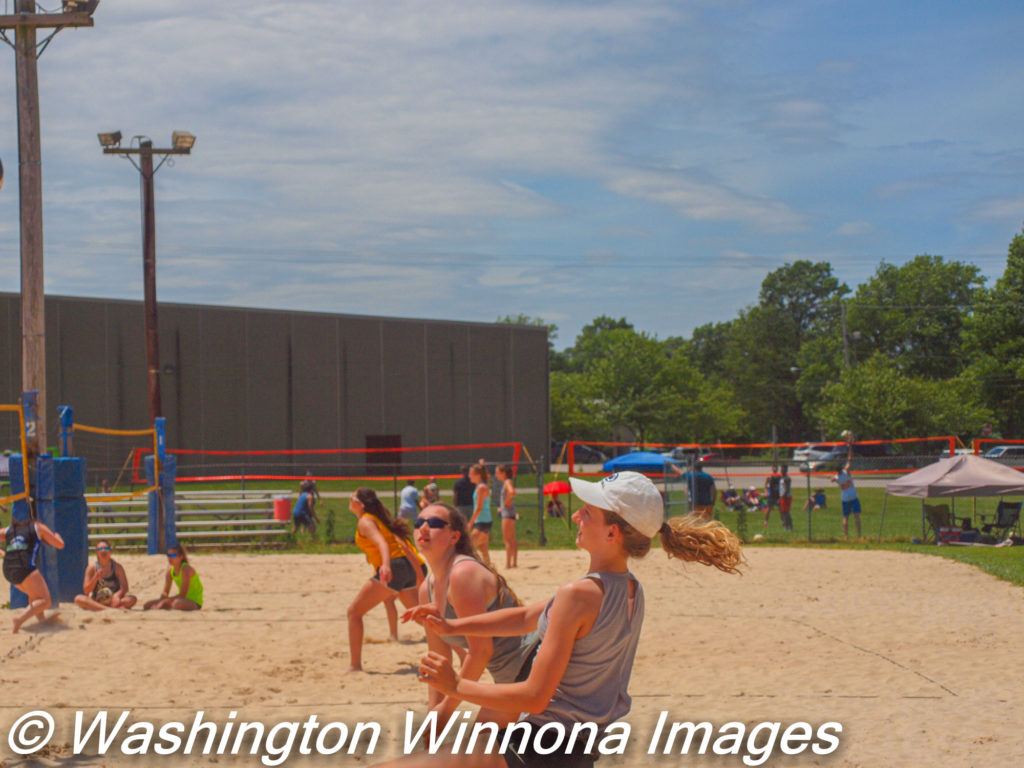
<point>398,567</point>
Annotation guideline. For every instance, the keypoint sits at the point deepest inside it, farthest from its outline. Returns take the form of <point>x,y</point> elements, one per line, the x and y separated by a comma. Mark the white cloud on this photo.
<point>704,200</point>
<point>1007,208</point>
<point>855,228</point>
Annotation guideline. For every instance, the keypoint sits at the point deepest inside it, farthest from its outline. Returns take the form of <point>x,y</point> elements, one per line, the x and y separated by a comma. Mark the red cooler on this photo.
<point>282,509</point>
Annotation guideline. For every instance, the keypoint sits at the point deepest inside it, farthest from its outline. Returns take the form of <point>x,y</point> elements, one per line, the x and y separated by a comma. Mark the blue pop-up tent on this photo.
<point>640,461</point>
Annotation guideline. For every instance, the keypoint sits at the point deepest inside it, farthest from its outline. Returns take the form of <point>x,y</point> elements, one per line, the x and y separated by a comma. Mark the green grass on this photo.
<point>901,525</point>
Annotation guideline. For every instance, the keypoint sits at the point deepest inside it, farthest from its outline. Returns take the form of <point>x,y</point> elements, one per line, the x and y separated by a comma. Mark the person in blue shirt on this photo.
<point>848,494</point>
<point>303,514</point>
<point>701,487</point>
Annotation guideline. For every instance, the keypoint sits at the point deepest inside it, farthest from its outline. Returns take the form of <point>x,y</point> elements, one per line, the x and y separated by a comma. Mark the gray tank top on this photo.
<point>505,506</point>
<point>594,686</point>
<point>509,652</point>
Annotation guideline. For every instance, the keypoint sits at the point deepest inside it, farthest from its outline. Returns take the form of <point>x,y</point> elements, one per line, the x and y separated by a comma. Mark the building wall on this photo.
<point>252,379</point>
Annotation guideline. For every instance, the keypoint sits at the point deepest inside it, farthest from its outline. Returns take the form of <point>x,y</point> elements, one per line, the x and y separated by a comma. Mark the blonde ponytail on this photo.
<point>696,540</point>
<point>689,538</point>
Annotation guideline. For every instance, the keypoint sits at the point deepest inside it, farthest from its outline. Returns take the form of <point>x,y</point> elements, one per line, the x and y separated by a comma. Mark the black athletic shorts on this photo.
<point>402,574</point>
<point>528,758</point>
<point>15,572</point>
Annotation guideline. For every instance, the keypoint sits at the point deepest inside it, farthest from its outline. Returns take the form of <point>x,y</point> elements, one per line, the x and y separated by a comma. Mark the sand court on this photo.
<point>917,657</point>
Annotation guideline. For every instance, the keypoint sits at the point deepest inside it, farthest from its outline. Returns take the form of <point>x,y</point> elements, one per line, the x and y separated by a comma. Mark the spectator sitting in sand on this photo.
<point>105,584</point>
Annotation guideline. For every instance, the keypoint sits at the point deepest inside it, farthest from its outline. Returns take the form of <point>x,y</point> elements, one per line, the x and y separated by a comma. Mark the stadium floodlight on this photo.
<point>111,139</point>
<point>80,6</point>
<point>182,140</point>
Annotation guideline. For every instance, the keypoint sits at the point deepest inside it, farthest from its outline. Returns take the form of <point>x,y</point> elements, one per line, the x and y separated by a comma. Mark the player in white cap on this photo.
<point>589,630</point>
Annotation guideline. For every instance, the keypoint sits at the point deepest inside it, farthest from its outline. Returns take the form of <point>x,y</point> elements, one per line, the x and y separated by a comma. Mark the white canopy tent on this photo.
<point>957,477</point>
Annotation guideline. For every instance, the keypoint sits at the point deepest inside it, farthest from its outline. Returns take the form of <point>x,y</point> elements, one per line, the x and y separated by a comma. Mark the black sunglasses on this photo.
<point>432,522</point>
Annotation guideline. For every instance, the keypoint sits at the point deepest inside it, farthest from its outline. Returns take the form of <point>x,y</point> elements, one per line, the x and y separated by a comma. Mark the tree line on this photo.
<point>925,348</point>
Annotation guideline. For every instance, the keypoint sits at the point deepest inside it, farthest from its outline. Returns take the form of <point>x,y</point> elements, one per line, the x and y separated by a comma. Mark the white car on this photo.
<point>810,453</point>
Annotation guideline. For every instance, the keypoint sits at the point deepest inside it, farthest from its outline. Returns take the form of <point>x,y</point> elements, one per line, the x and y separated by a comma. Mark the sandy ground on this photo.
<point>918,658</point>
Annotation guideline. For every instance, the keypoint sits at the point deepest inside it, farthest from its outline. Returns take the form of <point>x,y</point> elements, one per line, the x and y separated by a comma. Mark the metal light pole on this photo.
<point>182,142</point>
<point>24,22</point>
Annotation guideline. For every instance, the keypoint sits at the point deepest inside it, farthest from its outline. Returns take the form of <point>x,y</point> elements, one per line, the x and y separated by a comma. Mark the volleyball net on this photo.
<point>369,464</point>
<point>14,414</point>
<point>894,456</point>
<point>114,457</point>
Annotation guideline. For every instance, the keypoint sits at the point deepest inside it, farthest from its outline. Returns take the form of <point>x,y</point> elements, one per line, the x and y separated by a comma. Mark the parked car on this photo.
<point>581,454</point>
<point>1007,454</point>
<point>701,457</point>
<point>869,456</point>
<point>811,452</point>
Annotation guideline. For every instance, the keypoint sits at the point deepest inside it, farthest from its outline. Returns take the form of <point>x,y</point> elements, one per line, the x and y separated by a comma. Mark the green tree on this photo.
<point>575,414</point>
<point>592,341</point>
<point>707,346</point>
<point>774,383</point>
<point>807,292</point>
<point>556,359</point>
<point>915,313</point>
<point>994,341</point>
<point>632,381</point>
<point>877,400</point>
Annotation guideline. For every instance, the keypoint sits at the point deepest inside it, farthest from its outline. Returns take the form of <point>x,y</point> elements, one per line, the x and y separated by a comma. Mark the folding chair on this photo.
<point>1007,519</point>
<point>937,516</point>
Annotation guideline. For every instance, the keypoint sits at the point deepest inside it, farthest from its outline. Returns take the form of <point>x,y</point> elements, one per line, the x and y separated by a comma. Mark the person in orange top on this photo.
<point>398,568</point>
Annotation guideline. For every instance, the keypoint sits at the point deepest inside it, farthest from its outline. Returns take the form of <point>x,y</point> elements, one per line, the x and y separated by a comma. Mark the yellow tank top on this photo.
<point>195,585</point>
<point>395,550</point>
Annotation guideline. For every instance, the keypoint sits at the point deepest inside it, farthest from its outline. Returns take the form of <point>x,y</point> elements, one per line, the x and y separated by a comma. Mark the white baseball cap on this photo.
<point>630,495</point>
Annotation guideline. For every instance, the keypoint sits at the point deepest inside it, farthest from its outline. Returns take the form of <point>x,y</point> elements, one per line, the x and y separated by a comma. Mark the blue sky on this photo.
<point>465,160</point>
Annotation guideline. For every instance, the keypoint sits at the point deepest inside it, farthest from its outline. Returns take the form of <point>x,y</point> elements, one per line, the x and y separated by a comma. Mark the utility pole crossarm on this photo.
<point>141,150</point>
<point>15,20</point>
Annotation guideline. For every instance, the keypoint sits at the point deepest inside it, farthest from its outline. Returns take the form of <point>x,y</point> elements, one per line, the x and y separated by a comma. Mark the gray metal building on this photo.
<point>253,379</point>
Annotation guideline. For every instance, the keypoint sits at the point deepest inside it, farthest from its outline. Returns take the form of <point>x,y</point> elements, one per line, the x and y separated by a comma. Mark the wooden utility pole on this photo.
<point>183,142</point>
<point>25,22</point>
<point>149,279</point>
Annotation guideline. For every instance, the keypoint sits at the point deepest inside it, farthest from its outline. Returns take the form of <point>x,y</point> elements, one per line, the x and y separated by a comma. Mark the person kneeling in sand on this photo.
<point>105,584</point>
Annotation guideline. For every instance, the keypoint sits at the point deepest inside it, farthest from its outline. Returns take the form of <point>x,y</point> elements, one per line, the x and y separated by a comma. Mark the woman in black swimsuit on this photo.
<point>105,584</point>
<point>21,564</point>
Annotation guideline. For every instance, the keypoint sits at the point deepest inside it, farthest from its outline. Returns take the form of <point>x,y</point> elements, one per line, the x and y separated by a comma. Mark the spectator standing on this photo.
<point>409,501</point>
<point>480,520</point>
<point>771,492</point>
<point>431,493</point>
<point>462,493</point>
<point>304,513</point>
<point>702,491</point>
<point>786,498</point>
<point>309,486</point>
<point>847,493</point>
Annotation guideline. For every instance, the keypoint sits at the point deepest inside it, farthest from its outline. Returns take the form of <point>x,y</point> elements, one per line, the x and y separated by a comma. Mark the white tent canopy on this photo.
<point>965,475</point>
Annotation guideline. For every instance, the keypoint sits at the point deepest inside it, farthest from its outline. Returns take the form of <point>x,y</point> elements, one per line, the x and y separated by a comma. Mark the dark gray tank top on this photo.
<point>509,652</point>
<point>594,686</point>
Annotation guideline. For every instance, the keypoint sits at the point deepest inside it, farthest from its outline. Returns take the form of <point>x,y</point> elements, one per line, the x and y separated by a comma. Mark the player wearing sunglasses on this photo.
<point>182,575</point>
<point>460,584</point>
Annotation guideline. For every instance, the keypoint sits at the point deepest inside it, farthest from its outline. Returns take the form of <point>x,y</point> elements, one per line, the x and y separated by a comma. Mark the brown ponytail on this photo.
<point>691,539</point>
<point>368,498</point>
<point>465,547</point>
